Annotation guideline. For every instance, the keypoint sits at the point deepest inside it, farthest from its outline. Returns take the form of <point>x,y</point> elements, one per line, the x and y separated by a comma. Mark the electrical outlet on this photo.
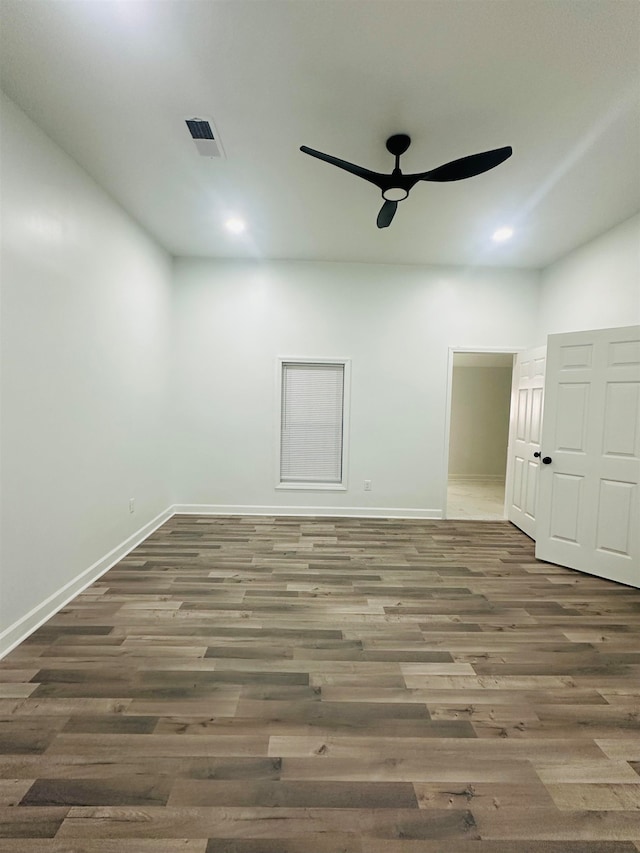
<point>132,504</point>
<point>367,485</point>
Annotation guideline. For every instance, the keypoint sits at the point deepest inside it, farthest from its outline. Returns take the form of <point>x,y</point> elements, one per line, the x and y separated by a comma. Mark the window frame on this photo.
<point>346,401</point>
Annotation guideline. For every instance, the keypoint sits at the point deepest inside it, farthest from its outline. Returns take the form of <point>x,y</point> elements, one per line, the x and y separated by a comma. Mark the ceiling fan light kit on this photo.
<point>396,186</point>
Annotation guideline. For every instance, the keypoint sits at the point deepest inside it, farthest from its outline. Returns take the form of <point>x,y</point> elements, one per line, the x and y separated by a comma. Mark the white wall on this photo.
<point>479,431</point>
<point>594,287</point>
<point>85,320</point>
<point>233,319</point>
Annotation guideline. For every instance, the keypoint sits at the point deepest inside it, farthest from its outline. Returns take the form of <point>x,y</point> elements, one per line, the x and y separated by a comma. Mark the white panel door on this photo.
<point>588,509</point>
<point>527,392</point>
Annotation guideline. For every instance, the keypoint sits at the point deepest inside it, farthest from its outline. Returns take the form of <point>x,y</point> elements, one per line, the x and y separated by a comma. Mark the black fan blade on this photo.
<point>361,172</point>
<point>387,212</point>
<point>467,167</point>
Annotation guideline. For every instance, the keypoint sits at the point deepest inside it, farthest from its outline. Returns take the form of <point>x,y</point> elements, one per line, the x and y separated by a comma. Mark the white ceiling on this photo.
<point>113,80</point>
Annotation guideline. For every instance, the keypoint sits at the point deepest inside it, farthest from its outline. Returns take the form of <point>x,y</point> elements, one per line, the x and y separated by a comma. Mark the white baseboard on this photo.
<point>319,511</point>
<point>480,478</point>
<point>30,622</point>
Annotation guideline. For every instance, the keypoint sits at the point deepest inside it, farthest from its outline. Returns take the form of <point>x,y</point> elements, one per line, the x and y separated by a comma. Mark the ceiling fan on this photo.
<point>396,186</point>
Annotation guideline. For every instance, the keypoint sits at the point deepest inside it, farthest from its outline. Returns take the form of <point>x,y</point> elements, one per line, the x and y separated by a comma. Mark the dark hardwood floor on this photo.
<point>295,685</point>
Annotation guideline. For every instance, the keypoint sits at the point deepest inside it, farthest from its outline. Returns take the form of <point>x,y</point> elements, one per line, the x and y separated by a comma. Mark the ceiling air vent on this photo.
<point>206,140</point>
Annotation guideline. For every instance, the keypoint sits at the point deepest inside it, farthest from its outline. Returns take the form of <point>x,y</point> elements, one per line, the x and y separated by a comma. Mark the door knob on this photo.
<point>546,460</point>
<point>537,454</point>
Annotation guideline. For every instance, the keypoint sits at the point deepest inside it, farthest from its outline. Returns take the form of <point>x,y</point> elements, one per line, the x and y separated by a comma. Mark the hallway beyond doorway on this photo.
<point>476,499</point>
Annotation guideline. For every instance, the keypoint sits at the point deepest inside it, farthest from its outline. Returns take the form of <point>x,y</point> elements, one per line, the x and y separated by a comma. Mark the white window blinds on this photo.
<point>312,423</point>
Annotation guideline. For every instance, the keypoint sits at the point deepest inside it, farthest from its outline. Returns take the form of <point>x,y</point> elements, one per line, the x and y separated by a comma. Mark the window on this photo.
<point>312,423</point>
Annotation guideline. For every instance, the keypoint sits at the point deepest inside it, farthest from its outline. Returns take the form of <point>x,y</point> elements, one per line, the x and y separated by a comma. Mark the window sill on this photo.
<point>313,487</point>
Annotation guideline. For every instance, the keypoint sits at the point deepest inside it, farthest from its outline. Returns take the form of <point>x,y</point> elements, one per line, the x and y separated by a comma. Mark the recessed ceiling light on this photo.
<point>235,225</point>
<point>502,234</point>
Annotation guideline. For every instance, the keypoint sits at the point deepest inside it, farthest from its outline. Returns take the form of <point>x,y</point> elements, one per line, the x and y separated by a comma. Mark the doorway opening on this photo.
<point>479,411</point>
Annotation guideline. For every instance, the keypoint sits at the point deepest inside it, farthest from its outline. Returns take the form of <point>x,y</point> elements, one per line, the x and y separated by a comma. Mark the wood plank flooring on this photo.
<point>296,685</point>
